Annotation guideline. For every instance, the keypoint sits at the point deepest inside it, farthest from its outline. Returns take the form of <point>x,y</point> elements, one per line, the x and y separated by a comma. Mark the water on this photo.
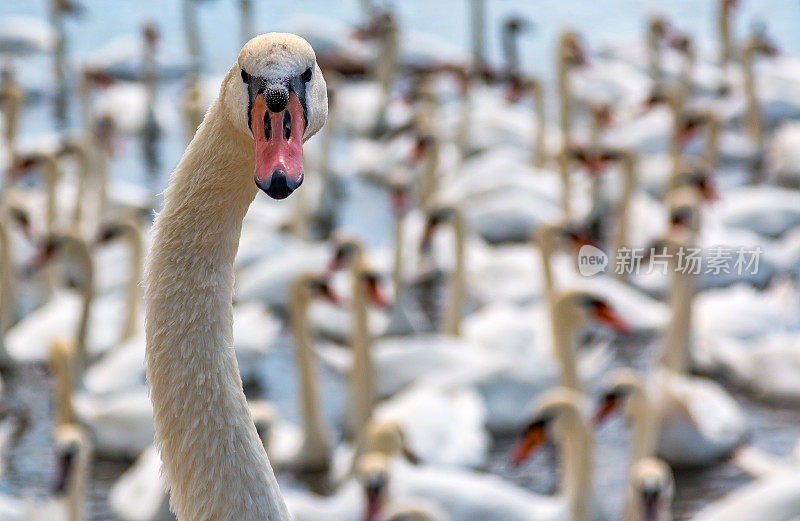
<point>30,465</point>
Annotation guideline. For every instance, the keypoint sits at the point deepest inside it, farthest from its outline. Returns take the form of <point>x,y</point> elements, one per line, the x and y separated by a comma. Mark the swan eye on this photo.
<point>307,75</point>
<point>245,77</point>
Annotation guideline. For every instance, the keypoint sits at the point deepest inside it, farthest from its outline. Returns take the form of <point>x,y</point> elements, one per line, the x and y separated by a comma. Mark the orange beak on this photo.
<point>278,146</point>
<point>610,318</point>
<point>526,447</point>
<point>606,408</point>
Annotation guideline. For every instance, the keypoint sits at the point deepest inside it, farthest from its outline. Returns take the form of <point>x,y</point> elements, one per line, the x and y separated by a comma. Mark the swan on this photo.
<point>650,491</point>
<point>538,359</point>
<point>427,414</point>
<point>671,416</point>
<point>275,79</point>
<point>121,424</point>
<point>560,412</point>
<point>313,452</point>
<point>384,481</point>
<point>98,321</point>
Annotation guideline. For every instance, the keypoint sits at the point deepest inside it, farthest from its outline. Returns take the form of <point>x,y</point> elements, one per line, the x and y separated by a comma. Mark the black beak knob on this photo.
<point>278,186</point>
<point>277,97</point>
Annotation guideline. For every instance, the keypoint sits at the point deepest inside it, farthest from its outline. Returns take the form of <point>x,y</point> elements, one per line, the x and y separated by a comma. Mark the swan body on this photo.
<point>771,498</point>
<point>26,35</point>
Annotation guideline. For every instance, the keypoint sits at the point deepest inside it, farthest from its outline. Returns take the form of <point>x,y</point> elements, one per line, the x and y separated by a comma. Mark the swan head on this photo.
<point>73,450</point>
<point>578,305</point>
<point>571,50</point>
<point>276,94</point>
<point>347,251</point>
<point>386,436</point>
<point>372,472</point>
<point>622,384</point>
<point>698,177</point>
<point>652,487</point>
<point>547,409</point>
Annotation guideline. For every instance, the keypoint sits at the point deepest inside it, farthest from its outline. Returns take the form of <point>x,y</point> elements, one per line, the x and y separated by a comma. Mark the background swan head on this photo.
<point>578,306</point>
<point>697,176</point>
<point>622,383</point>
<point>546,411</point>
<point>276,94</point>
<point>651,488</point>
<point>372,472</point>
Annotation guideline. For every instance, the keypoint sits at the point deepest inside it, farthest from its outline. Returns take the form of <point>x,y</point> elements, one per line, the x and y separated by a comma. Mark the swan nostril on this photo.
<point>277,97</point>
<point>287,125</point>
<point>267,126</point>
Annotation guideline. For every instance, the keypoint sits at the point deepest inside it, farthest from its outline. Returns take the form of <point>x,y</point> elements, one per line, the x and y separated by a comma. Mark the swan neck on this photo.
<point>477,32</point>
<point>397,264</point>
<point>653,55</point>
<point>541,125</point>
<point>83,258</point>
<point>133,238</point>
<point>190,29</point>
<point>564,95</point>
<point>563,345</point>
<point>315,448</point>
<point>452,325</point>
<point>7,288</point>
<point>629,184</point>
<point>577,464</point>
<point>676,352</point>
<point>213,460</point>
<point>82,158</point>
<point>362,389</point>
<point>644,435</point>
<point>751,97</point>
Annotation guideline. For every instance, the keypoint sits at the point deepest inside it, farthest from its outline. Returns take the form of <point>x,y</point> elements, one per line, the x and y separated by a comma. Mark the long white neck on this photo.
<point>629,184</point>
<point>7,289</point>
<point>676,351</point>
<point>362,388</point>
<point>563,324</point>
<point>540,127</point>
<point>133,237</point>
<point>452,324</point>
<point>214,462</point>
<point>315,452</point>
<point>576,481</point>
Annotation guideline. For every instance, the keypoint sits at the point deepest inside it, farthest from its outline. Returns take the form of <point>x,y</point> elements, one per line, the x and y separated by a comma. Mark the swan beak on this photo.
<point>650,503</point>
<point>709,191</point>
<point>278,145</point>
<point>610,318</point>
<point>65,464</point>
<point>43,256</point>
<point>374,293</point>
<point>530,442</point>
<point>374,495</point>
<point>606,408</point>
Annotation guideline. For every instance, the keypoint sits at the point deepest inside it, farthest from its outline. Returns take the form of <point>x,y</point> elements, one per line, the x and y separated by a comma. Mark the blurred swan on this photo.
<point>769,498</point>
<point>686,421</point>
<point>384,481</point>
<point>25,35</point>
<point>650,491</point>
<point>96,323</point>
